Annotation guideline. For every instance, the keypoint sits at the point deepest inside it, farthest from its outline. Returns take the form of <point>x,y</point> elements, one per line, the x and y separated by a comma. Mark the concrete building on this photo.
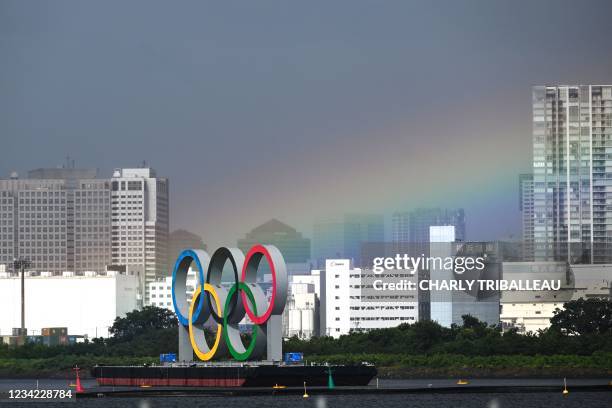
<point>572,196</point>
<point>294,247</point>
<point>87,304</point>
<point>530,311</point>
<point>178,241</point>
<point>140,222</point>
<point>413,226</point>
<point>592,280</point>
<point>348,302</point>
<point>448,306</point>
<point>160,293</point>
<point>160,290</point>
<point>301,314</point>
<point>343,237</point>
<point>68,219</point>
<point>58,219</point>
<point>313,278</point>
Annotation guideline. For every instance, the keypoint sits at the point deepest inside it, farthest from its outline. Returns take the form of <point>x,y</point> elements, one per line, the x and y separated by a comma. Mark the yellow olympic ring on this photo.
<point>204,356</point>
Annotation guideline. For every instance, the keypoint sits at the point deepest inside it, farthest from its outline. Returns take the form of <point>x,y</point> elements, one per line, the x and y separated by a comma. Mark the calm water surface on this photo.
<point>459,400</point>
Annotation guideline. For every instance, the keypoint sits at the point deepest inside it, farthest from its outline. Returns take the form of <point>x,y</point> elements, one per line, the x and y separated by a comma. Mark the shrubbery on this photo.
<point>583,327</point>
<point>580,336</point>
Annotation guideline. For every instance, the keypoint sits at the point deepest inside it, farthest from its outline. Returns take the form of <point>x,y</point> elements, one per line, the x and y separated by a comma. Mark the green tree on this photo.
<point>138,322</point>
<point>584,316</point>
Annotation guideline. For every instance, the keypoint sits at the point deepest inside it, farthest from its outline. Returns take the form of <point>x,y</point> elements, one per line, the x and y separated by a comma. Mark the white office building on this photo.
<point>160,293</point>
<point>87,304</point>
<point>140,222</point>
<point>349,303</point>
<point>160,290</point>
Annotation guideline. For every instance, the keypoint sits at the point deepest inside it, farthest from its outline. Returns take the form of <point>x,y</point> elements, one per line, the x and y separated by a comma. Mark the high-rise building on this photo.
<point>68,219</point>
<point>343,237</point>
<point>140,222</point>
<point>572,167</point>
<point>180,240</point>
<point>58,219</point>
<point>294,247</point>
<point>526,209</point>
<point>413,226</point>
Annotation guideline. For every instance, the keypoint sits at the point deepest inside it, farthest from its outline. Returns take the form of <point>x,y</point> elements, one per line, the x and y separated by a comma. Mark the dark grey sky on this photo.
<point>256,109</point>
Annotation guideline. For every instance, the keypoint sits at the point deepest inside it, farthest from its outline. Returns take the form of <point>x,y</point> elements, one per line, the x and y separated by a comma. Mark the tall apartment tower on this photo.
<point>140,222</point>
<point>572,173</point>
<point>526,209</point>
<point>59,219</point>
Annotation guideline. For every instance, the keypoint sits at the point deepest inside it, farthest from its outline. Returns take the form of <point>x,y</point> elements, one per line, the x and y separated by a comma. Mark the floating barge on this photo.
<point>233,375</point>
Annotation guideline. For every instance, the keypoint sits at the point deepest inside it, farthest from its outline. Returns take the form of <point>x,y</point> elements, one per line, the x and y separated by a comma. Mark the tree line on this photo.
<point>582,327</point>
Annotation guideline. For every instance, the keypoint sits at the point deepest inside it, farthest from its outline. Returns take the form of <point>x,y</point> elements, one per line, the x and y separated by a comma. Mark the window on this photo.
<point>134,185</point>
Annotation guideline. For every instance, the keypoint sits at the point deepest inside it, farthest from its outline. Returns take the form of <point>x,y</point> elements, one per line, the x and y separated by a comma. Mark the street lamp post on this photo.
<point>22,264</point>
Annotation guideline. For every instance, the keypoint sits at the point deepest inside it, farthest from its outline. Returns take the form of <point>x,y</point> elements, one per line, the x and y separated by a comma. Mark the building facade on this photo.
<point>301,314</point>
<point>413,226</point>
<point>179,240</point>
<point>140,222</point>
<point>348,302</point>
<point>531,311</point>
<point>58,219</point>
<point>160,290</point>
<point>294,247</point>
<point>448,306</point>
<point>343,237</point>
<point>86,304</point>
<point>572,167</point>
<point>527,215</point>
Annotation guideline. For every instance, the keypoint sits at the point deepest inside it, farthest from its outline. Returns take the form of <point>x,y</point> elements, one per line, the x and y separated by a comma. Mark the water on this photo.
<point>457,400</point>
<point>581,399</point>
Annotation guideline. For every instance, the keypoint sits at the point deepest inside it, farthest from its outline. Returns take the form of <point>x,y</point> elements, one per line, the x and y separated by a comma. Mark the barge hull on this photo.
<point>220,376</point>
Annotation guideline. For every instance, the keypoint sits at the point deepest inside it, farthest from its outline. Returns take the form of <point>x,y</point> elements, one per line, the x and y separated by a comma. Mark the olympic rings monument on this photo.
<point>220,308</point>
<point>223,306</point>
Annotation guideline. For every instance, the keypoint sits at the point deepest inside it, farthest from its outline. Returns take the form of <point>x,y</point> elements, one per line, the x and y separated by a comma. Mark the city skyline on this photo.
<point>294,112</point>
